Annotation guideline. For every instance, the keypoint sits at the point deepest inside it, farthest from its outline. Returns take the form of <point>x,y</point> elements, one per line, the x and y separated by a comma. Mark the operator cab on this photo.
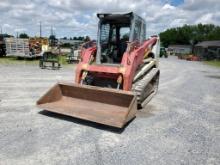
<point>115,31</point>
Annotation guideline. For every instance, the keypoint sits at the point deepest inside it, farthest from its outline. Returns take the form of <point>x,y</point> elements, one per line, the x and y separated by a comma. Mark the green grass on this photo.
<point>15,60</point>
<point>63,60</point>
<point>23,61</point>
<point>215,63</point>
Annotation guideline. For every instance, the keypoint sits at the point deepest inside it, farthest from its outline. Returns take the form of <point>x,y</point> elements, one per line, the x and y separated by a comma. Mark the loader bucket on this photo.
<point>101,105</point>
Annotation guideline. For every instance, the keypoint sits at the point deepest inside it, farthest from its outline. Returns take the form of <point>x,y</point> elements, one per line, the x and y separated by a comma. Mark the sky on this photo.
<point>70,18</point>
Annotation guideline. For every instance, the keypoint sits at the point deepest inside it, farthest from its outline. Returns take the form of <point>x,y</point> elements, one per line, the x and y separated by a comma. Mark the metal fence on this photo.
<point>17,47</point>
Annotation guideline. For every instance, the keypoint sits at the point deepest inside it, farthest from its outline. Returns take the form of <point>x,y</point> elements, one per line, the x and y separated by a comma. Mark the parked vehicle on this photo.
<point>2,46</point>
<point>49,60</point>
<point>74,55</point>
<point>163,52</point>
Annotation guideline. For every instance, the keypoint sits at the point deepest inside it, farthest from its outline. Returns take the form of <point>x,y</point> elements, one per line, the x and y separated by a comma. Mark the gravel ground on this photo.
<point>181,125</point>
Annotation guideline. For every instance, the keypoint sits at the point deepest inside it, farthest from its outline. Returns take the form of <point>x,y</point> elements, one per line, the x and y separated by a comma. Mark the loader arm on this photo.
<point>131,61</point>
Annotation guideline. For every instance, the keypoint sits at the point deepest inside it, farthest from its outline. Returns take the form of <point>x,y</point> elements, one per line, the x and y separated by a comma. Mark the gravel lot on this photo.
<point>181,125</point>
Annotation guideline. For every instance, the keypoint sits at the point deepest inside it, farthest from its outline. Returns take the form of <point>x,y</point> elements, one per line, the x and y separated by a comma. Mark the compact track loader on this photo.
<point>116,76</point>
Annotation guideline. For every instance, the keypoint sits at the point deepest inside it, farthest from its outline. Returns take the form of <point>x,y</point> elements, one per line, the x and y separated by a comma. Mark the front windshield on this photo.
<point>113,41</point>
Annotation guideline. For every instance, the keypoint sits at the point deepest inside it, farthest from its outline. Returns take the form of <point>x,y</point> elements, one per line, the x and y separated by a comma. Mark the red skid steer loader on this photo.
<point>116,76</point>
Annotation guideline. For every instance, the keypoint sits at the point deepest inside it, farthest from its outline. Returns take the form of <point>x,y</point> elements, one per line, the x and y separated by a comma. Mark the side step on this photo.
<point>102,105</point>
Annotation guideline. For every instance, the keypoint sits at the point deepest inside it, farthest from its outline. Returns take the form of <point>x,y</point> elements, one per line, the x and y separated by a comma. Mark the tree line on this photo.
<point>81,38</point>
<point>190,34</point>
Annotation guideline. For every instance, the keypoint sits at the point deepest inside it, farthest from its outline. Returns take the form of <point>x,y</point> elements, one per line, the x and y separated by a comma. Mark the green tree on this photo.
<point>23,35</point>
<point>87,38</point>
<point>190,34</point>
<point>52,40</point>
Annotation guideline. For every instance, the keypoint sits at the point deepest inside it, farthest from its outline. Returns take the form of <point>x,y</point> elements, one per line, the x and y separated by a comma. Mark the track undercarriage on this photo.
<point>146,87</point>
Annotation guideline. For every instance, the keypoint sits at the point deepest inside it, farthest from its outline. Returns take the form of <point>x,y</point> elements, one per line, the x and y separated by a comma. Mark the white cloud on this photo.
<point>209,18</point>
<point>201,5</point>
<point>7,26</point>
<point>168,7</point>
<point>78,17</point>
<point>21,30</point>
<point>4,4</point>
<point>177,22</point>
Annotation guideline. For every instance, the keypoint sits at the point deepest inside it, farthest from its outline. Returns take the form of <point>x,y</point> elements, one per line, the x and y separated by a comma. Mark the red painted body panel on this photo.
<point>129,64</point>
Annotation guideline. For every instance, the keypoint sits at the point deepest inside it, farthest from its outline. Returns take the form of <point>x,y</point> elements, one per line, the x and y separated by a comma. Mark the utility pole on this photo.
<point>1,29</point>
<point>51,30</point>
<point>40,30</point>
